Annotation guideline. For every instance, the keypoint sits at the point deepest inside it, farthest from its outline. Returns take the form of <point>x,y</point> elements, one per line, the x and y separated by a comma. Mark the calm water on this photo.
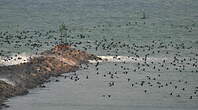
<point>174,20</point>
<point>168,22</point>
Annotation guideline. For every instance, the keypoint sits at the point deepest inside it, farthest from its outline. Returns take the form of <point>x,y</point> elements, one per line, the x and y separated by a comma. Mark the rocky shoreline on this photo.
<point>51,63</point>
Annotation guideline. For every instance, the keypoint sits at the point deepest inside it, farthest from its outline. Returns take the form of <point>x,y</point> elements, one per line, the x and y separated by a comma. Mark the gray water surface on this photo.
<point>126,21</point>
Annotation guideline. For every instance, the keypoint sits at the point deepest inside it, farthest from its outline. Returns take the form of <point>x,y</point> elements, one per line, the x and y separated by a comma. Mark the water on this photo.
<point>173,20</point>
<point>128,22</point>
<point>92,93</point>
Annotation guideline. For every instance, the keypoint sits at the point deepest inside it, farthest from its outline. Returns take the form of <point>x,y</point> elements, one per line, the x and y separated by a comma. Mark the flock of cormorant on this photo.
<point>167,65</point>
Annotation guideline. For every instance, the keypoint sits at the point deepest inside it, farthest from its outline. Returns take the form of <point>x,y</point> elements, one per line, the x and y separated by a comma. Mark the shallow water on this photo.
<point>92,93</point>
<point>165,21</point>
